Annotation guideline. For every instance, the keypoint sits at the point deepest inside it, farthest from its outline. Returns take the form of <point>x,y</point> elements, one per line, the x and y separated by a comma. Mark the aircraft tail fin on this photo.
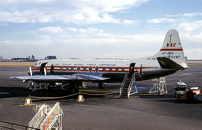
<point>172,49</point>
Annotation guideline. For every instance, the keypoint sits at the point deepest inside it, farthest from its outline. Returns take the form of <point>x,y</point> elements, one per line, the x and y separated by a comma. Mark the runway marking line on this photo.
<point>194,64</point>
<point>185,74</point>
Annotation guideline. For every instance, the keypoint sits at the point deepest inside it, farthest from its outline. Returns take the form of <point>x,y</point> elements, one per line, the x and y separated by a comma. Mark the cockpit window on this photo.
<point>35,64</point>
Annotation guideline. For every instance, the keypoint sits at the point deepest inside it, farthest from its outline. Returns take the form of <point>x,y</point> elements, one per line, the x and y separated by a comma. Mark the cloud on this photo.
<point>89,30</point>
<point>191,26</point>
<point>174,15</point>
<point>161,20</point>
<point>128,22</point>
<point>72,29</point>
<point>32,32</point>
<point>26,1</point>
<point>65,11</point>
<point>192,38</point>
<point>193,14</point>
<point>52,29</point>
<point>45,36</point>
<point>28,16</point>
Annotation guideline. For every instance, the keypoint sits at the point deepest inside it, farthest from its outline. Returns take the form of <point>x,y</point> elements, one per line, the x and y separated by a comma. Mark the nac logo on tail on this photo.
<point>171,45</point>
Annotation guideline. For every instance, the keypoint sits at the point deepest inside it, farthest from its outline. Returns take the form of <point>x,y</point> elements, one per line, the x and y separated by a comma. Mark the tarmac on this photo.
<point>106,111</point>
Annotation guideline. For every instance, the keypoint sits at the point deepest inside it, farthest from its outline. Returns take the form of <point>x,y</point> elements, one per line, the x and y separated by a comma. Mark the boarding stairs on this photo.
<point>47,118</point>
<point>127,85</point>
<point>159,86</point>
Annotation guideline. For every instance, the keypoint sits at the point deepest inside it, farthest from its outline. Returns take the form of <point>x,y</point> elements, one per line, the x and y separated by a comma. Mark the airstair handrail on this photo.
<point>53,122</point>
<point>55,110</point>
<point>122,84</point>
<point>131,84</point>
<point>38,118</point>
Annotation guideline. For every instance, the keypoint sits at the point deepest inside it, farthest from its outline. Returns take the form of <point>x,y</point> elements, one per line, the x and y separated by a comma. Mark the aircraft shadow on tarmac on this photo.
<point>58,94</point>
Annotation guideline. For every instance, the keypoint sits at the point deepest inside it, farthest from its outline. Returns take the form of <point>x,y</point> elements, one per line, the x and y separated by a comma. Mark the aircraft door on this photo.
<point>131,69</point>
<point>52,68</point>
<point>42,67</point>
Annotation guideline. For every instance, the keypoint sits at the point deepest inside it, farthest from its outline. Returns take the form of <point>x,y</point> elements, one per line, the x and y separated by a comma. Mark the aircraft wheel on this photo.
<point>74,90</point>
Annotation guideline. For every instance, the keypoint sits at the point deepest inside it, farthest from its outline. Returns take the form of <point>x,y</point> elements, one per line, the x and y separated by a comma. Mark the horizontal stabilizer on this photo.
<point>167,63</point>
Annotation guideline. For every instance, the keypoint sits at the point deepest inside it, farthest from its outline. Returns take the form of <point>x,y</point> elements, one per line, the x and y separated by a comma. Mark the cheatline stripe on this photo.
<point>171,49</point>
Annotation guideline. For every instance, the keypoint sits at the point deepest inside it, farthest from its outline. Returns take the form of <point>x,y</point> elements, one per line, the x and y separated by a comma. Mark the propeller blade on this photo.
<point>30,70</point>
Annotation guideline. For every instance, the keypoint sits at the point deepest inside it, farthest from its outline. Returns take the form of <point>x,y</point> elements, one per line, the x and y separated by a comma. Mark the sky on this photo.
<point>126,29</point>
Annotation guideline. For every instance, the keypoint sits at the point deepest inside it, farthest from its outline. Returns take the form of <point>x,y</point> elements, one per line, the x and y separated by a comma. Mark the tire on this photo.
<point>190,96</point>
<point>74,90</point>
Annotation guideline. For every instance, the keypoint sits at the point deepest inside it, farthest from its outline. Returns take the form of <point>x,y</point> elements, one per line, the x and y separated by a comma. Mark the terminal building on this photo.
<point>50,57</point>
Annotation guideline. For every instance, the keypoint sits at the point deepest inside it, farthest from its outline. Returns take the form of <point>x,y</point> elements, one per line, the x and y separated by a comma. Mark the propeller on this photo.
<point>30,70</point>
<point>44,70</point>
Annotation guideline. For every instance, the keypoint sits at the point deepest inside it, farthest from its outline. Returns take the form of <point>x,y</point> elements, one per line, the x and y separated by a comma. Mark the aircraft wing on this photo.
<point>60,78</point>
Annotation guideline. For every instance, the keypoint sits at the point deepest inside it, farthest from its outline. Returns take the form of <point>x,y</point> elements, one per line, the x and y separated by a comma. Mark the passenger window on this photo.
<point>104,69</point>
<point>72,68</point>
<point>110,69</point>
<point>90,68</point>
<point>84,68</point>
<point>123,69</point>
<point>78,68</point>
<point>117,69</point>
<point>97,69</point>
<point>67,68</point>
<point>61,68</point>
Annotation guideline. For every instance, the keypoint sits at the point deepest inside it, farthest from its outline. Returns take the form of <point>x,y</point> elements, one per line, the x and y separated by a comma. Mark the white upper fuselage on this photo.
<point>108,65</point>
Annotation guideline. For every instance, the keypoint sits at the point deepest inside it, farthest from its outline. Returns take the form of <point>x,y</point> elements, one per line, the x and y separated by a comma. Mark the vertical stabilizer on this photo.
<point>172,48</point>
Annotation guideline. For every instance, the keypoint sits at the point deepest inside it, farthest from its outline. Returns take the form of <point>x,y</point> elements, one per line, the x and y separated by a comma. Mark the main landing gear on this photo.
<point>71,87</point>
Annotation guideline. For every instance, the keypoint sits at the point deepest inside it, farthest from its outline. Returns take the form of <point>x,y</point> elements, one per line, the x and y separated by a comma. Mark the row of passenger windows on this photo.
<point>90,68</point>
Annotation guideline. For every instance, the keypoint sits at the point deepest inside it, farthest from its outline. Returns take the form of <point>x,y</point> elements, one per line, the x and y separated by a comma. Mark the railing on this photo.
<point>40,115</point>
<point>55,110</point>
<point>12,127</point>
<point>133,79</point>
<point>54,121</point>
<point>122,85</point>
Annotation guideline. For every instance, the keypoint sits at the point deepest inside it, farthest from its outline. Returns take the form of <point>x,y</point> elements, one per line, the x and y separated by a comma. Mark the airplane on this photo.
<point>169,60</point>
